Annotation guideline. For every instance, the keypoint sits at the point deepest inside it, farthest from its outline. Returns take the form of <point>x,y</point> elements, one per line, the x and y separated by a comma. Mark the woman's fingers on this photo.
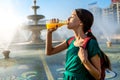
<point>54,20</point>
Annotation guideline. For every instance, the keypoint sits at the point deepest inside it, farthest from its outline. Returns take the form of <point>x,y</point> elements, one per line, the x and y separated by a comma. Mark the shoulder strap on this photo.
<point>84,43</point>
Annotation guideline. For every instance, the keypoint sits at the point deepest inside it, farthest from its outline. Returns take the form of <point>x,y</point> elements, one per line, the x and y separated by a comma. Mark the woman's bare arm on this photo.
<point>50,50</point>
<point>94,67</point>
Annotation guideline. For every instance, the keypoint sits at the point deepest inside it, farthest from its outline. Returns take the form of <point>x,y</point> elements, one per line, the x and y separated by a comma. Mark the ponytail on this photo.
<point>106,61</point>
<point>89,34</point>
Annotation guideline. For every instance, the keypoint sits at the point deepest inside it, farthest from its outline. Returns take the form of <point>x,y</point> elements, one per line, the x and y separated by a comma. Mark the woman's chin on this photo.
<point>69,27</point>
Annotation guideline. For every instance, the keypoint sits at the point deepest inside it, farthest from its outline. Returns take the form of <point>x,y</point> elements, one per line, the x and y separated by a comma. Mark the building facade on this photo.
<point>107,21</point>
<point>116,9</point>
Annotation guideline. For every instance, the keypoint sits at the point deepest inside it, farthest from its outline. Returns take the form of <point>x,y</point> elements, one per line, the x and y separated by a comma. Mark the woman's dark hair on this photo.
<point>86,17</point>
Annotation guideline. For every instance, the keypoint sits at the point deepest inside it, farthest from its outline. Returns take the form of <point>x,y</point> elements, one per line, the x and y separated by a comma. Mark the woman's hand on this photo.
<point>53,21</point>
<point>52,29</point>
<point>83,55</point>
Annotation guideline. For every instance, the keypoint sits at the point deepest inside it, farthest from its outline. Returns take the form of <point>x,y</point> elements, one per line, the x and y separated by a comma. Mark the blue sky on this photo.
<point>15,12</point>
<point>50,8</point>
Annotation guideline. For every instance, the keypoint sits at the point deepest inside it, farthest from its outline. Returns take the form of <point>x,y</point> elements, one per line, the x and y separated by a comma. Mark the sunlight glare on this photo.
<point>9,22</point>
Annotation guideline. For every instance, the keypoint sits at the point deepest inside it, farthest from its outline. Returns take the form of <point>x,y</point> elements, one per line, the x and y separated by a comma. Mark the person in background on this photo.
<point>80,64</point>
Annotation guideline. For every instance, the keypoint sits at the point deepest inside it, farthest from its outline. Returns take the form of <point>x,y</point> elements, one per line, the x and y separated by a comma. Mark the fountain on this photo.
<point>35,26</point>
<point>6,54</point>
<point>109,43</point>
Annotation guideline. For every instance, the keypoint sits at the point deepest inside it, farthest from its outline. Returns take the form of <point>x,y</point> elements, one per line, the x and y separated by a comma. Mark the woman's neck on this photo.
<point>79,34</point>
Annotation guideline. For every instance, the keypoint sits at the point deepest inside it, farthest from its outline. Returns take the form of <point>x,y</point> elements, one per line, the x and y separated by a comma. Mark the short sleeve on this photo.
<point>67,41</point>
<point>93,48</point>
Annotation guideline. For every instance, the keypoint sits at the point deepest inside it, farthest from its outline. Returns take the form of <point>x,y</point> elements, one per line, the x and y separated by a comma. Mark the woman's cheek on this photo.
<point>70,26</point>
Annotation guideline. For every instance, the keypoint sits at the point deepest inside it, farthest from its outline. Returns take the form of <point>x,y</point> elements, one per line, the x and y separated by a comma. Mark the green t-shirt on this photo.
<point>75,70</point>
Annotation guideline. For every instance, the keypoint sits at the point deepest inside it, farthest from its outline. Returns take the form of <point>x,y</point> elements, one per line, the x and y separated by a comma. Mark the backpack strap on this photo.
<point>84,43</point>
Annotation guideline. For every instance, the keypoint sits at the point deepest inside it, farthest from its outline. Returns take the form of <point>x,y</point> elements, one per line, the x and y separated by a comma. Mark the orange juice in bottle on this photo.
<point>55,24</point>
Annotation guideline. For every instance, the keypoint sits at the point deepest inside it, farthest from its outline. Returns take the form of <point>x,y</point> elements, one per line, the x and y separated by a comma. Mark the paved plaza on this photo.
<point>33,64</point>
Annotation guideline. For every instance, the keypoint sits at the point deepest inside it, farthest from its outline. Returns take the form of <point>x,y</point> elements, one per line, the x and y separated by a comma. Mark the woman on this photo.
<point>80,64</point>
